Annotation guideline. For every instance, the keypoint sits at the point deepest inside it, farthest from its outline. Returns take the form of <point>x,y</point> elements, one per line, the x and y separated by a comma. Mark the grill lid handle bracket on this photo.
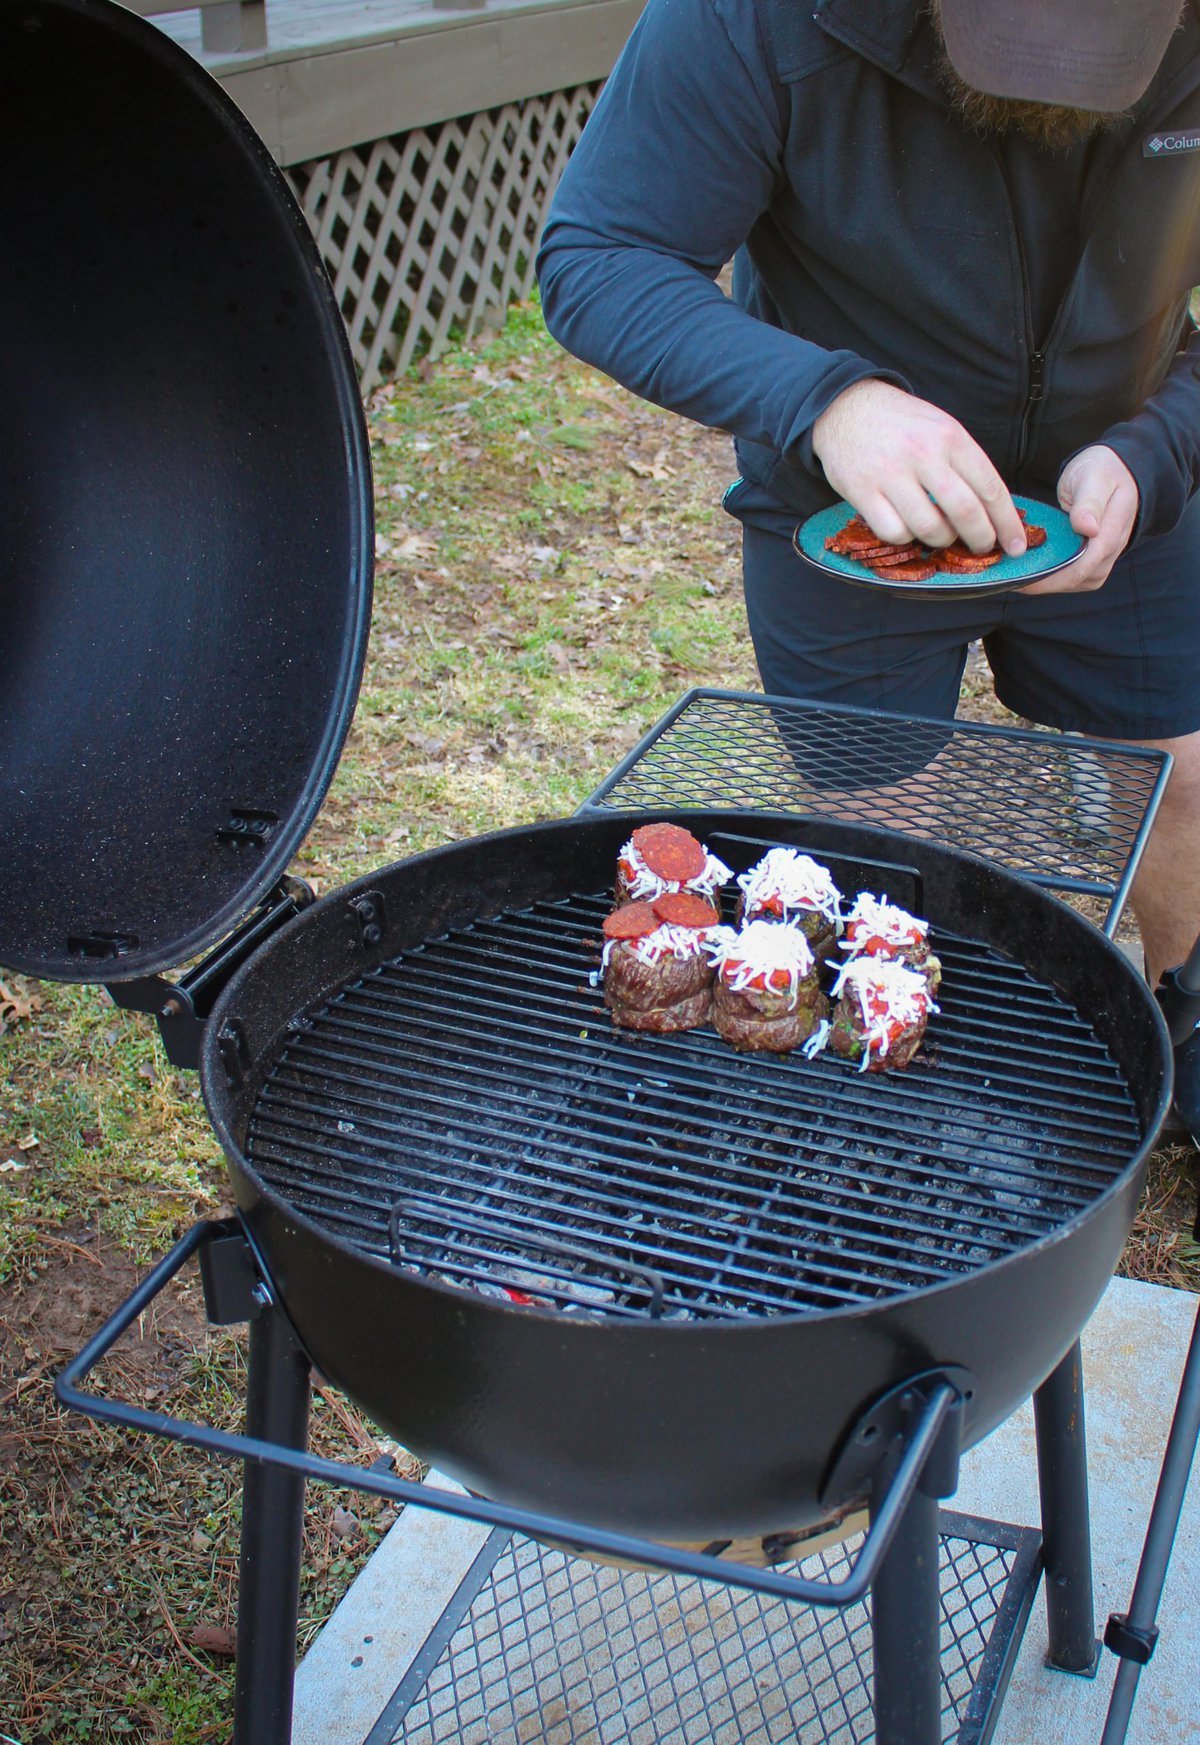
<point>234,1290</point>
<point>370,913</point>
<point>886,1426</point>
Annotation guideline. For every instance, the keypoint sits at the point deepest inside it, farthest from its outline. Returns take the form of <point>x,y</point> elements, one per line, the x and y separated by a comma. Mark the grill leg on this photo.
<point>272,1537</point>
<point>1066,1527</point>
<point>905,1629</point>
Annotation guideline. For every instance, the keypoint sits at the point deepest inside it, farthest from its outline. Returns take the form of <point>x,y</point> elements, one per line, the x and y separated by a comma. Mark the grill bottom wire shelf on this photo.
<point>540,1648</point>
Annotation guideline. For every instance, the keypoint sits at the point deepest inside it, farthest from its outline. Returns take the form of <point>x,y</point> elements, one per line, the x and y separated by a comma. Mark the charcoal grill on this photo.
<point>457,1108</point>
<point>840,1283</point>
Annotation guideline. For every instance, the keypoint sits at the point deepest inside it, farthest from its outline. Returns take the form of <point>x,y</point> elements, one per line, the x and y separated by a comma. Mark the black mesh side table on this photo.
<point>1069,813</point>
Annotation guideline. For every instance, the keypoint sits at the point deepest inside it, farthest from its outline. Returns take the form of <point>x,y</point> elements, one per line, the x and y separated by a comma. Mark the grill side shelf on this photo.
<point>1070,813</point>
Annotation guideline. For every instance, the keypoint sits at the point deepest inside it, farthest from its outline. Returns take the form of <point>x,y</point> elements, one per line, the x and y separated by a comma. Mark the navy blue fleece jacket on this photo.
<point>874,236</point>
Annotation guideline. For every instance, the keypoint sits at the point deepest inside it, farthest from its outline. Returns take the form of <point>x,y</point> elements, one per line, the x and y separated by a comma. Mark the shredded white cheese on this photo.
<point>883,920</point>
<point>646,885</point>
<point>887,994</point>
<point>762,948</point>
<point>800,883</point>
<point>665,941</point>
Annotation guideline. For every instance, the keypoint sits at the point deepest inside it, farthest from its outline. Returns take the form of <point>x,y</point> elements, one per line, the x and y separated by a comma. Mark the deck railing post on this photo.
<point>233,26</point>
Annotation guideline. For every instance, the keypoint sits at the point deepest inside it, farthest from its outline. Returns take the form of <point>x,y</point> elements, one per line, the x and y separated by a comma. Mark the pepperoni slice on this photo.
<point>630,921</point>
<point>865,541</point>
<point>685,909</point>
<point>670,852</point>
<point>886,555</point>
<point>906,572</point>
<point>852,536</point>
<point>968,565</point>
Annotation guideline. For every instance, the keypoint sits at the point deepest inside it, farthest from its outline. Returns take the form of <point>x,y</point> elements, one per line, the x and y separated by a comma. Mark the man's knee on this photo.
<point>1179,808</point>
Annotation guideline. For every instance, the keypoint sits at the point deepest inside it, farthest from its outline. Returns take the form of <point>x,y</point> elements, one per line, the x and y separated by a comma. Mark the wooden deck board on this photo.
<point>336,74</point>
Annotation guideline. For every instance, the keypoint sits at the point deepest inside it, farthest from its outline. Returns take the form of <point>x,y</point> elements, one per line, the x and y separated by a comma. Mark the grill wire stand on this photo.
<point>979,1610</point>
<point>1071,814</point>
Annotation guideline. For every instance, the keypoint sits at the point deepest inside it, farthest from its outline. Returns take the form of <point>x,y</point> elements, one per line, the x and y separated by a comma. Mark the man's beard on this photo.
<point>1050,125</point>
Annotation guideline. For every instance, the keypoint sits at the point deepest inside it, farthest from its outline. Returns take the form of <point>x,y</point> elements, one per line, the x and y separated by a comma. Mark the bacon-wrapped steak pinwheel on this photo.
<point>877,928</point>
<point>766,995</point>
<point>789,886</point>
<point>659,858</point>
<point>882,1010</point>
<point>655,968</point>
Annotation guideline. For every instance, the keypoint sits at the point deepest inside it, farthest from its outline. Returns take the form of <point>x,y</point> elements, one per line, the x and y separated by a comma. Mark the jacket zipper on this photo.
<point>1035,390</point>
<point>1036,354</point>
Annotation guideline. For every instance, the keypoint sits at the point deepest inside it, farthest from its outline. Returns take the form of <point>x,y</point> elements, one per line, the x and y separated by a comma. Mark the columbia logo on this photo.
<point>1167,144</point>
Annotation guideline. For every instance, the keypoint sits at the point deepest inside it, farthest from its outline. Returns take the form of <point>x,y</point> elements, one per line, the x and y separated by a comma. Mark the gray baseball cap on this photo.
<point>1088,54</point>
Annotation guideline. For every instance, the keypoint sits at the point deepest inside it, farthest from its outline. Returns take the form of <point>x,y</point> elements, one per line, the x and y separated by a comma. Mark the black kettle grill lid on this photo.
<point>185,514</point>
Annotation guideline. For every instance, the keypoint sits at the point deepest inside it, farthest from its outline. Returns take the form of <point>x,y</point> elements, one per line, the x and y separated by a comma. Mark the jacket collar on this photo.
<point>896,35</point>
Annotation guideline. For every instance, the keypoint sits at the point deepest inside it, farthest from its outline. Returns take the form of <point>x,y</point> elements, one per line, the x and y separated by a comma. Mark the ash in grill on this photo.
<point>467,1111</point>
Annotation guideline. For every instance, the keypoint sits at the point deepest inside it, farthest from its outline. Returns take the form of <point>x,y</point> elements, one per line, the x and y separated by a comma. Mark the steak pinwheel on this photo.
<point>789,886</point>
<point>655,967</point>
<point>766,995</point>
<point>882,1010</point>
<point>661,858</point>
<point>877,928</point>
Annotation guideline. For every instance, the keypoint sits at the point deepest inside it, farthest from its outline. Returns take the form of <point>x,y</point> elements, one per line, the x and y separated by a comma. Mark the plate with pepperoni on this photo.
<point>839,540</point>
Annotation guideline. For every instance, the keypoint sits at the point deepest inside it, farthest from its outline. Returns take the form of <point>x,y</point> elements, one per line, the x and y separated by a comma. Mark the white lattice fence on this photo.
<point>430,230</point>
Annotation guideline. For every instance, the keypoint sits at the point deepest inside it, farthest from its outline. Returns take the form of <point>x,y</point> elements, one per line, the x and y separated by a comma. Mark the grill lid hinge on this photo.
<point>182,1008</point>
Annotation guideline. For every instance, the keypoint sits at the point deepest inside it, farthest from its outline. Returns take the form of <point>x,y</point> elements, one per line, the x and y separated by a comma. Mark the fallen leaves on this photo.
<point>655,468</point>
<point>18,1003</point>
<point>215,1639</point>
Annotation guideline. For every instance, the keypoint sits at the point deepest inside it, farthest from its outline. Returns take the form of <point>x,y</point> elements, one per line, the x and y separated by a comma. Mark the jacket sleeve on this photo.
<point>680,158</point>
<point>1161,444</point>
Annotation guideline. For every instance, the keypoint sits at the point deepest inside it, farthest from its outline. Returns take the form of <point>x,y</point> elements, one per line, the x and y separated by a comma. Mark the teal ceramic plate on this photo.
<point>1063,545</point>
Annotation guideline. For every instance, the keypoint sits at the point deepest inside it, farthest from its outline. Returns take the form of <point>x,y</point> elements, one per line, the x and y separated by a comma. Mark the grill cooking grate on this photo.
<point>468,1111</point>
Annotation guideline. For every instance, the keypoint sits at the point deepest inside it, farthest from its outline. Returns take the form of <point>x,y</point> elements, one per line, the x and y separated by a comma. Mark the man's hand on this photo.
<point>1099,493</point>
<point>912,471</point>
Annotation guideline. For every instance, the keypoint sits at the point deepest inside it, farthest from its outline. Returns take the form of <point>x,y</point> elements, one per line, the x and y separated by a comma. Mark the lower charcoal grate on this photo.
<point>469,1112</point>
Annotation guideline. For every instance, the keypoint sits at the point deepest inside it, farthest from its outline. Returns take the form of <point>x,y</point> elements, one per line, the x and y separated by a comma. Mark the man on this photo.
<point>963,237</point>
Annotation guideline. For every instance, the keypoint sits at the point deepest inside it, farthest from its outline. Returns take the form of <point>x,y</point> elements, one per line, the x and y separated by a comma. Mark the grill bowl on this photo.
<point>726,1423</point>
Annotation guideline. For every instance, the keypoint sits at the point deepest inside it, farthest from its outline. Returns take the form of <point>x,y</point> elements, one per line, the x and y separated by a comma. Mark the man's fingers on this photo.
<point>1113,523</point>
<point>1099,494</point>
<point>1088,512</point>
<point>884,521</point>
<point>912,471</point>
<point>978,502</point>
<point>919,514</point>
<point>980,522</point>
